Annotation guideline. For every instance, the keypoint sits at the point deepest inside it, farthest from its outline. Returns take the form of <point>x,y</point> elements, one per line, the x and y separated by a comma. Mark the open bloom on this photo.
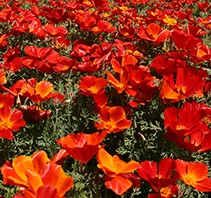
<point>37,175</point>
<point>117,171</point>
<point>166,192</point>
<point>10,121</point>
<point>38,92</point>
<point>194,174</point>
<point>3,79</point>
<point>93,86</point>
<point>158,178</point>
<point>189,81</point>
<point>153,32</point>
<point>82,147</point>
<point>113,119</point>
<point>188,126</point>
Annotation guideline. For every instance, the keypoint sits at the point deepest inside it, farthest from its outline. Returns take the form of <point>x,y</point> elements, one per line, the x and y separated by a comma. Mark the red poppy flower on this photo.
<point>187,120</point>
<point>189,81</point>
<point>36,56</point>
<point>14,65</point>
<point>79,50</point>
<point>34,114</point>
<point>103,26</point>
<point>54,15</point>
<point>204,7</point>
<point>6,100</point>
<point>55,31</point>
<point>11,53</point>
<point>64,64</point>
<point>115,168</point>
<point>112,119</point>
<point>38,53</point>
<point>161,178</point>
<point>99,3</point>
<point>85,20</point>
<point>194,174</point>
<point>164,65</point>
<point>127,60</point>
<point>5,14</point>
<point>10,121</point>
<point>82,147</point>
<point>195,31</point>
<point>184,41</point>
<point>141,86</point>
<point>188,126</point>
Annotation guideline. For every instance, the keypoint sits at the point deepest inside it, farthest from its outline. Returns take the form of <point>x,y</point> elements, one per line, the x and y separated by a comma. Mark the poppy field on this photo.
<point>105,98</point>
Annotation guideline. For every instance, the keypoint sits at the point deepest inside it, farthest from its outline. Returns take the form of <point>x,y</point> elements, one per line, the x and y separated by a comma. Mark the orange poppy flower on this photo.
<point>40,93</point>
<point>194,174</point>
<point>93,86</point>
<point>112,119</point>
<point>154,32</point>
<point>119,85</point>
<point>166,192</point>
<point>35,173</point>
<point>10,121</point>
<point>202,53</point>
<point>3,79</point>
<point>114,168</point>
<point>82,147</point>
<point>52,175</point>
<point>3,37</point>
<point>189,81</point>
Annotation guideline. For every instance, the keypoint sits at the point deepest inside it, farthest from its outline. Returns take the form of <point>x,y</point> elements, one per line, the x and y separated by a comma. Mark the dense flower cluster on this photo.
<point>131,57</point>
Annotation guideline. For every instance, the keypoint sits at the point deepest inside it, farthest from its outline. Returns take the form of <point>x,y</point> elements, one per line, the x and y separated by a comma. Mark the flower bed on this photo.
<point>105,98</point>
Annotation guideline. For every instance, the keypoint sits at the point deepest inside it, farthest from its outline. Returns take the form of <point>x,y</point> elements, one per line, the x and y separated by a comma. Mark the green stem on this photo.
<point>106,193</point>
<point>183,193</point>
<point>97,182</point>
<point>189,193</point>
<point>90,181</point>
